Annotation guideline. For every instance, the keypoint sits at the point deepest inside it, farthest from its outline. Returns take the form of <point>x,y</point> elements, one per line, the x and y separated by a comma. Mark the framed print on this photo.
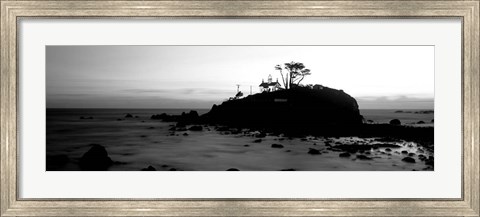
<point>239,108</point>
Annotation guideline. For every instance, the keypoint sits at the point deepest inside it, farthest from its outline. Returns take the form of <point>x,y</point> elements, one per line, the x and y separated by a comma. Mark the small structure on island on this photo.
<point>269,86</point>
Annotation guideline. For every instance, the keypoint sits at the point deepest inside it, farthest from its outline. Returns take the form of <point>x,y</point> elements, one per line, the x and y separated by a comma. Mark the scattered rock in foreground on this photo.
<point>277,146</point>
<point>353,148</point>
<point>313,151</point>
<point>128,115</point>
<point>196,128</point>
<point>395,122</point>
<point>385,145</point>
<point>408,160</point>
<point>429,161</point>
<point>345,154</point>
<point>233,169</point>
<point>95,159</point>
<point>55,162</point>
<point>149,168</point>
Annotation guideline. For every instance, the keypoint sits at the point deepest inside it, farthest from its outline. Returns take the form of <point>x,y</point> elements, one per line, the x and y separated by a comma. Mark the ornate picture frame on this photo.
<point>12,11</point>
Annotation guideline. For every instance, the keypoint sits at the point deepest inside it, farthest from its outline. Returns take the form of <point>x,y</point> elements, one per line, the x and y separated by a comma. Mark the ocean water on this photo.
<point>407,117</point>
<point>139,142</point>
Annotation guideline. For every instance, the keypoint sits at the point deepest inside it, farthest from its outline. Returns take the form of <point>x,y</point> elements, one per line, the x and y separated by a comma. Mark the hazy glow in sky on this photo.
<point>383,77</point>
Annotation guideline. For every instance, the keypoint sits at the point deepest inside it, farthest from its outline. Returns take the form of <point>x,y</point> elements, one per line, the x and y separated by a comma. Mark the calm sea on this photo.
<point>135,143</point>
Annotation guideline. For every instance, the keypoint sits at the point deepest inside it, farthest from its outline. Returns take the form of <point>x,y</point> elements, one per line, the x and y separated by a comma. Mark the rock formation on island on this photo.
<point>296,108</point>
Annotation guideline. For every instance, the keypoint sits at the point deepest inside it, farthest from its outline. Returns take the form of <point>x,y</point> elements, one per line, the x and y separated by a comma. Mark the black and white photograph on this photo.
<point>239,108</point>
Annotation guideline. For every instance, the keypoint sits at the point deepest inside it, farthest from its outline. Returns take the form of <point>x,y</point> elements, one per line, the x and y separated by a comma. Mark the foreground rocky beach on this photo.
<point>119,141</point>
<point>221,149</point>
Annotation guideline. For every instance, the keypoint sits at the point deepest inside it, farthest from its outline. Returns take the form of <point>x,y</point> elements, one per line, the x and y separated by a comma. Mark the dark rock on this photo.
<point>387,149</point>
<point>421,122</point>
<point>246,145</point>
<point>395,122</point>
<point>311,108</point>
<point>159,117</point>
<point>404,152</point>
<point>55,162</point>
<point>411,154</point>
<point>173,169</point>
<point>277,146</point>
<point>95,159</point>
<point>353,148</point>
<point>137,116</point>
<point>387,139</point>
<point>408,160</point>
<point>180,124</point>
<point>289,169</point>
<point>424,112</point>
<point>119,119</point>
<point>184,118</point>
<point>129,115</point>
<point>429,161</point>
<point>257,140</point>
<point>313,151</point>
<point>222,128</point>
<point>233,169</point>
<point>150,128</point>
<point>196,128</point>
<point>385,145</point>
<point>345,154</point>
<point>261,135</point>
<point>149,168</point>
<point>363,157</point>
<point>288,151</point>
<point>185,134</point>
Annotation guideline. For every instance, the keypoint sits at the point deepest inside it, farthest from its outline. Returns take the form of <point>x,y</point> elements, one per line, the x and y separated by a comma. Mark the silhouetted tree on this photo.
<point>238,95</point>
<point>296,73</point>
<point>279,68</point>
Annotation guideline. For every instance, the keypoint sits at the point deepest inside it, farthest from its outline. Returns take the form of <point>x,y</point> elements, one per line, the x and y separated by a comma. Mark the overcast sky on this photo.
<point>379,77</point>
